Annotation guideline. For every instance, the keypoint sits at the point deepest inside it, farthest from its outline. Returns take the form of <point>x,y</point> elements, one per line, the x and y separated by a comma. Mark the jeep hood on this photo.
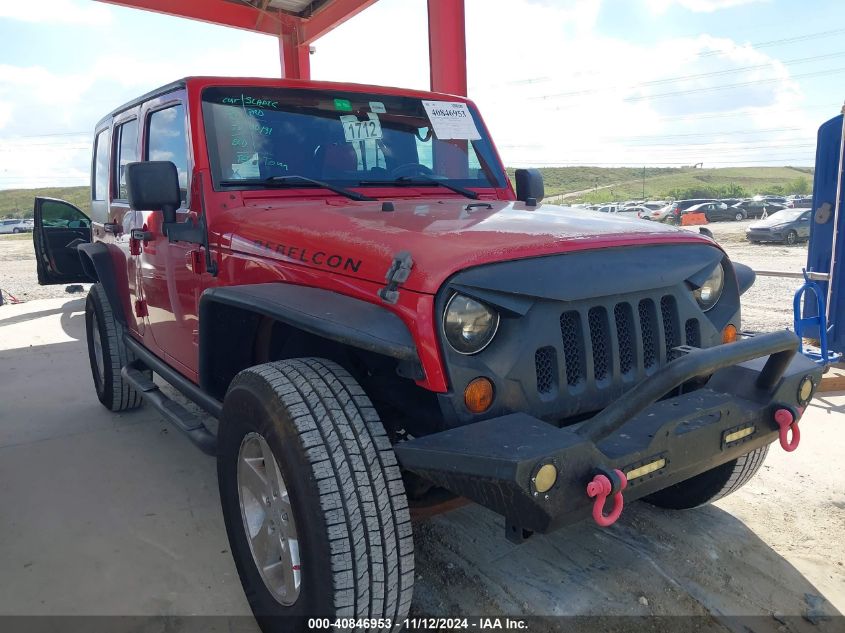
<point>359,239</point>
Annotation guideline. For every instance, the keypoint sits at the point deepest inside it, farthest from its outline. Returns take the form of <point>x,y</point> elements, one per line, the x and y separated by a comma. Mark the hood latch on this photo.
<point>398,273</point>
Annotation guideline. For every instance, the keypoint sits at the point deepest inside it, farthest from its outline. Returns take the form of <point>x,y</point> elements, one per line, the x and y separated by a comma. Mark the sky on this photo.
<point>558,82</point>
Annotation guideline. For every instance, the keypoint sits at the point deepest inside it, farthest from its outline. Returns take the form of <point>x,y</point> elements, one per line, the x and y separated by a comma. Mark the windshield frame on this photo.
<point>490,168</point>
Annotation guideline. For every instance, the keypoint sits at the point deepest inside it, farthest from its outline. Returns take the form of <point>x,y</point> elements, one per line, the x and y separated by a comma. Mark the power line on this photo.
<point>742,84</point>
<point>681,78</point>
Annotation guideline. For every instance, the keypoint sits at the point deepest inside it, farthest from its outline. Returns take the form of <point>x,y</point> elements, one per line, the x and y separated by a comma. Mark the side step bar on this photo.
<point>175,413</point>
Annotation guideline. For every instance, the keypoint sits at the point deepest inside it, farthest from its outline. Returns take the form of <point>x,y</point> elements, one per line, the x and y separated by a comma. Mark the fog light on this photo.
<point>805,391</point>
<point>478,396</point>
<point>729,334</point>
<point>545,478</point>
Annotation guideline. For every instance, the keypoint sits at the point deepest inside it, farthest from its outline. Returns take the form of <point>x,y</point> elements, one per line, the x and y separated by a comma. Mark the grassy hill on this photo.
<point>17,203</point>
<point>598,184</point>
<point>687,182</point>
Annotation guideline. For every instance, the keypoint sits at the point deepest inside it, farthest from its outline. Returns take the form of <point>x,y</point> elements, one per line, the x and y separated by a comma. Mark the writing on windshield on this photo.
<point>343,137</point>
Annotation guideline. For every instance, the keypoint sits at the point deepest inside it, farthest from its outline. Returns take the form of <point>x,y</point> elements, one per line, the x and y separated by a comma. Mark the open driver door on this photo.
<point>59,228</point>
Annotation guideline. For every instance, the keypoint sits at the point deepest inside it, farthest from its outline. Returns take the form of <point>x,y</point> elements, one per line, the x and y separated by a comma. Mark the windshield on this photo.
<point>347,138</point>
<point>786,215</point>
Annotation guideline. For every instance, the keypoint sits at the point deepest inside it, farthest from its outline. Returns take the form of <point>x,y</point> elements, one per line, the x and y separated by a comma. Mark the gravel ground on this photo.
<point>766,307</point>
<point>17,270</point>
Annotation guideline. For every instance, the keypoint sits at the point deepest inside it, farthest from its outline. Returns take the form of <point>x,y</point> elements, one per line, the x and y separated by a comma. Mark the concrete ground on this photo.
<point>116,514</point>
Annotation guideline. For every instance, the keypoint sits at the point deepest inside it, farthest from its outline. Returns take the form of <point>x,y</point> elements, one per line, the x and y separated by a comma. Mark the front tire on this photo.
<point>108,353</point>
<point>712,485</point>
<point>320,434</point>
<point>739,216</point>
<point>16,230</point>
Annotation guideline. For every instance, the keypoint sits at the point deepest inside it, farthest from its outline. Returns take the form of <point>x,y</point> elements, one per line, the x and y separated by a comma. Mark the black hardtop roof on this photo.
<point>161,90</point>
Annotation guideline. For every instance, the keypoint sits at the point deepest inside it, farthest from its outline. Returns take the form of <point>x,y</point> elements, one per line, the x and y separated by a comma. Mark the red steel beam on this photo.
<point>294,57</point>
<point>331,15</point>
<point>447,47</point>
<point>239,16</point>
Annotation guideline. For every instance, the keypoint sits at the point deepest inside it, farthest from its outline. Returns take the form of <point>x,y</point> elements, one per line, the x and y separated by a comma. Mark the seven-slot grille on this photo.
<point>603,345</point>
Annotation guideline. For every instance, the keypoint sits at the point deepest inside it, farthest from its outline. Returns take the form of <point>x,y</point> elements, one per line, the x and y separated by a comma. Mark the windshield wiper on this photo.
<point>292,180</point>
<point>422,179</point>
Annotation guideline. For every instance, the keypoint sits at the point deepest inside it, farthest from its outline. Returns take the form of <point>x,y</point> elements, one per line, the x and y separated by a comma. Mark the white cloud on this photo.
<point>61,11</point>
<point>551,87</point>
<point>697,6</point>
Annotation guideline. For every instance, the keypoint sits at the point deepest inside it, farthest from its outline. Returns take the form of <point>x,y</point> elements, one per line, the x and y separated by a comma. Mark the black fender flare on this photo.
<point>98,264</point>
<point>330,315</point>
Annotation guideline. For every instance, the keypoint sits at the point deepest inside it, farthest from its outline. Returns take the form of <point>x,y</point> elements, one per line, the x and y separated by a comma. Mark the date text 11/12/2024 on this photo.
<point>422,624</point>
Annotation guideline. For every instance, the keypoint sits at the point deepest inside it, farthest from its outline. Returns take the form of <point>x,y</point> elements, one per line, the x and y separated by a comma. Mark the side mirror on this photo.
<point>154,185</point>
<point>529,185</point>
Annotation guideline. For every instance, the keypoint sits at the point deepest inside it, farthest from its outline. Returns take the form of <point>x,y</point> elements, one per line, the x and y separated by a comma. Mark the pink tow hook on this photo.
<point>600,488</point>
<point>787,421</point>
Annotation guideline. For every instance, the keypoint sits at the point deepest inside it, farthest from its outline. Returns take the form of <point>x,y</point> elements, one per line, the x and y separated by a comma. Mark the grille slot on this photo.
<point>624,318</point>
<point>693,333</point>
<point>571,333</point>
<point>671,329</point>
<point>545,362</point>
<point>648,327</point>
<point>600,342</point>
<point>607,344</point>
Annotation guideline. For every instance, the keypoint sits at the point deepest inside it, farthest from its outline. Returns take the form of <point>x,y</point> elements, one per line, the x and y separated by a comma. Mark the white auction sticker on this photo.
<point>355,130</point>
<point>377,107</point>
<point>451,120</point>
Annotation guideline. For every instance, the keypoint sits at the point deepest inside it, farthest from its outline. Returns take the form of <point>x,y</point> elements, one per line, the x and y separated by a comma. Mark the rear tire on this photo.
<point>712,485</point>
<point>108,353</point>
<point>739,216</point>
<point>16,230</point>
<point>791,238</point>
<point>354,544</point>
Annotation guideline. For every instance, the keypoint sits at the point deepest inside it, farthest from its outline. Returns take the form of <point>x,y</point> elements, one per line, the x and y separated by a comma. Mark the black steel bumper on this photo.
<point>494,462</point>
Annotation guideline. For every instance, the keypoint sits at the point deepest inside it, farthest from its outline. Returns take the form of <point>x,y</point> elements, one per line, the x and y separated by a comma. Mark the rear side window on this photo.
<point>101,166</point>
<point>127,152</point>
<point>167,140</point>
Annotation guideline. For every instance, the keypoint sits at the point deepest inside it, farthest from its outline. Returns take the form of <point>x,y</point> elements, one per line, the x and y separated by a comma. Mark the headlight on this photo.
<point>711,290</point>
<point>469,325</point>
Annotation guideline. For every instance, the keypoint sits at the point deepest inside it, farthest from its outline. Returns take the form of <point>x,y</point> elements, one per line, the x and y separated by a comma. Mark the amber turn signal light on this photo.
<point>478,396</point>
<point>729,334</point>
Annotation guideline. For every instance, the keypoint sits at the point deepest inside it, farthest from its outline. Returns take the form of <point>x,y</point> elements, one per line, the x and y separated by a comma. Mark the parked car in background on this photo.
<point>15,225</point>
<point>609,208</point>
<point>800,202</point>
<point>666,213</point>
<point>759,208</point>
<point>715,211</point>
<point>634,212</point>
<point>788,226</point>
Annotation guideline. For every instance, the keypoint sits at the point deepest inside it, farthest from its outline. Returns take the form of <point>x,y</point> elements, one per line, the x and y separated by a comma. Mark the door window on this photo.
<point>101,166</point>
<point>167,140</point>
<point>61,215</point>
<point>127,152</point>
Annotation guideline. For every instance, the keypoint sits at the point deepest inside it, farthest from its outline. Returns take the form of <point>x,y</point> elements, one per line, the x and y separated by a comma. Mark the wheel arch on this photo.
<point>324,323</point>
<point>98,263</point>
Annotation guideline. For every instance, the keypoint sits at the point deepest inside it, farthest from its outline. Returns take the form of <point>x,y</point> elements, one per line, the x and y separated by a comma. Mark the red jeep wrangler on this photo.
<point>344,278</point>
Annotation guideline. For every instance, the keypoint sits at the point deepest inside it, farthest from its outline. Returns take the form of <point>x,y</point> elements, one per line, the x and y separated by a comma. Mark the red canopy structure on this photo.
<point>298,23</point>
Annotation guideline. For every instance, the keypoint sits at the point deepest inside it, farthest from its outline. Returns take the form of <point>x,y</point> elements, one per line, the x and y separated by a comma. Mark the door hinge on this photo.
<point>398,273</point>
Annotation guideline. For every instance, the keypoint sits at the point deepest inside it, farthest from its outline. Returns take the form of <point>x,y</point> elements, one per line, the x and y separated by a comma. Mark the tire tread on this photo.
<point>353,464</point>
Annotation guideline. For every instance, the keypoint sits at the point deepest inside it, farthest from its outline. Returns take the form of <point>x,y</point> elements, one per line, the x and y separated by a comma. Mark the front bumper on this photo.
<point>494,462</point>
<point>765,236</point>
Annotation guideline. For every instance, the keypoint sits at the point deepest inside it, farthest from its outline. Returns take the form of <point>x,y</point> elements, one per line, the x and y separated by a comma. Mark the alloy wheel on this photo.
<point>268,519</point>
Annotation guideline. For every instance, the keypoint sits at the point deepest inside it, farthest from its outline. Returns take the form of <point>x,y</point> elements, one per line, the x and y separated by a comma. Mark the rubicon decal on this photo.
<point>289,252</point>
